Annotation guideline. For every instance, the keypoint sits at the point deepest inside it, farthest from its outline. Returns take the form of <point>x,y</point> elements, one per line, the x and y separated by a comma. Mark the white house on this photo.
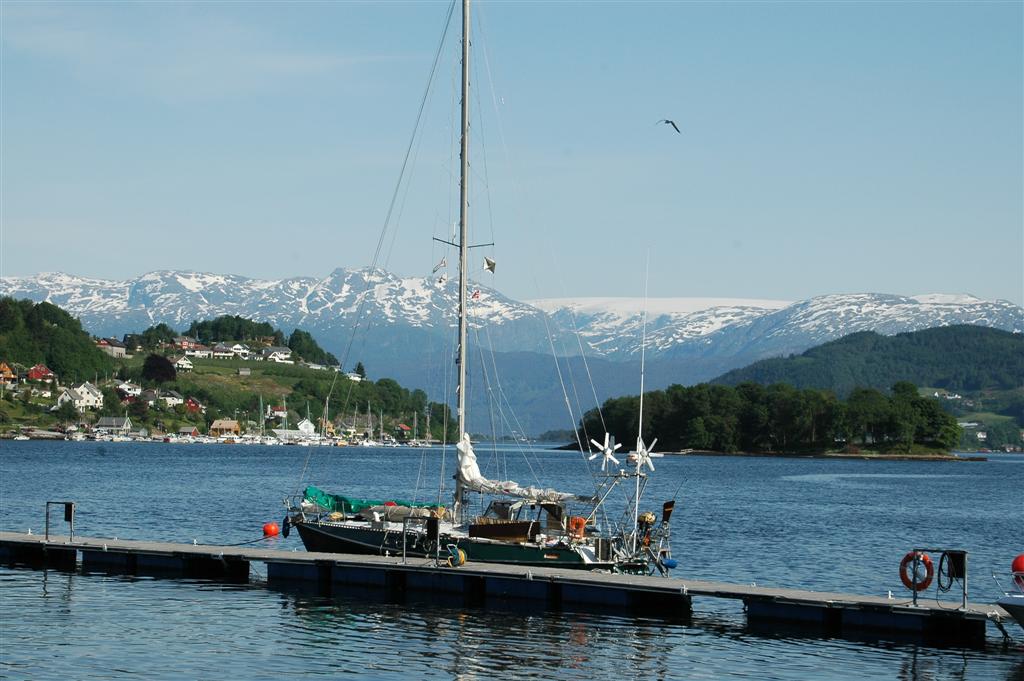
<point>353,376</point>
<point>183,363</point>
<point>73,396</point>
<point>240,350</point>
<point>277,354</point>
<point>171,398</point>
<point>221,351</point>
<point>93,395</point>
<point>82,397</point>
<point>129,389</point>
<point>199,352</point>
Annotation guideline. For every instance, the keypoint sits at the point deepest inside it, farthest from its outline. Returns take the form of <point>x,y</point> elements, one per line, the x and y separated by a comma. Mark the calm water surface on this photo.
<point>830,525</point>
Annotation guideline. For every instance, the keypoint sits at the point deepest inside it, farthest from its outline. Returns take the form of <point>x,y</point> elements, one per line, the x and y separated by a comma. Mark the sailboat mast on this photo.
<point>463,218</point>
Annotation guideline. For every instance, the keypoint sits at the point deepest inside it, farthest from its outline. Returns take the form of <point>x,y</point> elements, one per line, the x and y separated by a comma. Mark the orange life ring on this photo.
<point>576,526</point>
<point>907,576</point>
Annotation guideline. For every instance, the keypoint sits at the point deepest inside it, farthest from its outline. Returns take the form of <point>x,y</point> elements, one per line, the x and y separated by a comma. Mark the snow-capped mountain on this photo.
<point>611,328</point>
<point>393,325</point>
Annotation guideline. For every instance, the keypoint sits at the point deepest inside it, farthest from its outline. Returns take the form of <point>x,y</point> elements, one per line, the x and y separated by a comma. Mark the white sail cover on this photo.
<point>471,478</point>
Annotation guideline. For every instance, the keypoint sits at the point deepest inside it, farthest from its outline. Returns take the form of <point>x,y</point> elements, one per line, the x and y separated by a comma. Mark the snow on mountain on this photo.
<point>413,309</point>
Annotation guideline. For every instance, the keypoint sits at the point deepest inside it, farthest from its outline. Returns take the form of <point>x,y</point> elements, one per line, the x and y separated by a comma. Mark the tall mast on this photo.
<point>463,217</point>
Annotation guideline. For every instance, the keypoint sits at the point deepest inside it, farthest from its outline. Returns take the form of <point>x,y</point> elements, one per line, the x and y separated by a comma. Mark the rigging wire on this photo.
<point>361,298</point>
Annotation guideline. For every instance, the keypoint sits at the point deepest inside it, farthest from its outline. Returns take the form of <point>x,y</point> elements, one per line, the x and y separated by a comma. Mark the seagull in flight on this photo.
<point>672,123</point>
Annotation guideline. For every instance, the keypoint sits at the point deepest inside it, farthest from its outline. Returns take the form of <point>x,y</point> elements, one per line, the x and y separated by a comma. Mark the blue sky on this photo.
<point>827,147</point>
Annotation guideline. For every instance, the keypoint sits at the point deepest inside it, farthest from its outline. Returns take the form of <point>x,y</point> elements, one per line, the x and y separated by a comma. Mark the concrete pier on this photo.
<point>834,614</point>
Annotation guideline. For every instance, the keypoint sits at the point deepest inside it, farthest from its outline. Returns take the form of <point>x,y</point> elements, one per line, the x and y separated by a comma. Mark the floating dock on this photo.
<point>831,614</point>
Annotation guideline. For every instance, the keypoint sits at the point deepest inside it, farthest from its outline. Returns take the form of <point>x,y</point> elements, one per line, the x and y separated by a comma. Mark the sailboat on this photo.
<point>522,525</point>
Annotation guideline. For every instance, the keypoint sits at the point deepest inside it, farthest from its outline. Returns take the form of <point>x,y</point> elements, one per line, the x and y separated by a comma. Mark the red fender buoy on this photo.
<point>907,575</point>
<point>270,529</point>
<point>1017,568</point>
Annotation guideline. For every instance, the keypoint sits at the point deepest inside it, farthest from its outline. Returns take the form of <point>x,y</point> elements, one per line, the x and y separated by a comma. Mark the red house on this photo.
<point>40,373</point>
<point>192,405</point>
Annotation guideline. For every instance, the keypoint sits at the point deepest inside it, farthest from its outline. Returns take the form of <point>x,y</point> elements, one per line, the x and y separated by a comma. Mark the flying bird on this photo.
<point>672,123</point>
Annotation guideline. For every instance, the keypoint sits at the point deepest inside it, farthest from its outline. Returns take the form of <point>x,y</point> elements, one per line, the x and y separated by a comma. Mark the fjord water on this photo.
<point>839,525</point>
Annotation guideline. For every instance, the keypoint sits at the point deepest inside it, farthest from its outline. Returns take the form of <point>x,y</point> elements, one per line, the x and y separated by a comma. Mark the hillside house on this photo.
<point>277,354</point>
<point>279,413</point>
<point>82,397</point>
<point>194,406</point>
<point>240,351</point>
<point>353,376</point>
<point>7,375</point>
<point>112,347</point>
<point>171,398</point>
<point>150,397</point>
<point>182,363</point>
<point>40,373</point>
<point>114,425</point>
<point>222,427</point>
<point>185,342</point>
<point>199,351</point>
<point>221,351</point>
<point>127,389</point>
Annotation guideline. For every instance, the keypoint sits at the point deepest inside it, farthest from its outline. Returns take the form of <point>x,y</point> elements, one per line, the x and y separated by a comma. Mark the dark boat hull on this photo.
<point>322,537</point>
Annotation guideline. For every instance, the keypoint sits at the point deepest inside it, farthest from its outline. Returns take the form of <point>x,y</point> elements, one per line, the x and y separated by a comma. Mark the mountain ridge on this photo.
<point>391,322</point>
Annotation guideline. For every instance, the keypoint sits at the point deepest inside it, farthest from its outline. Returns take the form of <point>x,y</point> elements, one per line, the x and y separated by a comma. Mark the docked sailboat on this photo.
<point>523,525</point>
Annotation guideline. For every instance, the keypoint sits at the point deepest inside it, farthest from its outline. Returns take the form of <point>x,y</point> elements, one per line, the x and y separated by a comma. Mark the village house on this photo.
<point>221,351</point>
<point>7,375</point>
<point>277,354</point>
<point>88,396</point>
<point>185,342</point>
<point>171,398</point>
<point>353,376</point>
<point>182,363</point>
<point>40,373</point>
<point>244,371</point>
<point>188,431</point>
<point>199,351</point>
<point>114,425</point>
<point>127,389</point>
<point>194,406</point>
<point>224,427</point>
<point>150,397</point>
<point>112,347</point>
<point>279,413</point>
<point>240,351</point>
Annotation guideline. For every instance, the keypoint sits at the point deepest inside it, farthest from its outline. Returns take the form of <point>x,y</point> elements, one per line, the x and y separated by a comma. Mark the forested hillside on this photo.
<point>41,333</point>
<point>956,358</point>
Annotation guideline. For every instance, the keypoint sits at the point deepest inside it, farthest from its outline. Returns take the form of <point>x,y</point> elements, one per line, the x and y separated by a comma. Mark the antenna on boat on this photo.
<point>642,456</point>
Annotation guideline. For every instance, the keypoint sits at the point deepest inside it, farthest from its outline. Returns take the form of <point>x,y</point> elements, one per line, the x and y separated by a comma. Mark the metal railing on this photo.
<point>69,516</point>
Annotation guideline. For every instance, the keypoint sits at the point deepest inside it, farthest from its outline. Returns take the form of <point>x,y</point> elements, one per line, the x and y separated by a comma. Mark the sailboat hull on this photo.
<point>336,538</point>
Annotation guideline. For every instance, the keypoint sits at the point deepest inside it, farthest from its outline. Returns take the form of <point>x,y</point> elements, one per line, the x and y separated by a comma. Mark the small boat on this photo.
<point>22,438</point>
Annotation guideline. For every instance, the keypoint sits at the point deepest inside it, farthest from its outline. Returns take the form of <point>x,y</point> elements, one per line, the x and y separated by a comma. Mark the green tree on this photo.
<point>66,413</point>
<point>158,369</point>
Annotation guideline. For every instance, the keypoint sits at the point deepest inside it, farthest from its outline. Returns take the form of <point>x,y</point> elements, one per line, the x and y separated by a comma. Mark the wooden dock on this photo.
<point>833,614</point>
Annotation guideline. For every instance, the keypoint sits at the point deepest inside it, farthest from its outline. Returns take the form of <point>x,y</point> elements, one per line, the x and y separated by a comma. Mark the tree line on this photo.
<point>777,418</point>
<point>232,328</point>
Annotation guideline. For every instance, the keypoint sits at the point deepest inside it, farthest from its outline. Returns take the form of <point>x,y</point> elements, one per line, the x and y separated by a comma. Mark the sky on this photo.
<point>825,147</point>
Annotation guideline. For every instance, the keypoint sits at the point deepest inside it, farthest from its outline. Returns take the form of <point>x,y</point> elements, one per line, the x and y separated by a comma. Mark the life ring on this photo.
<point>577,524</point>
<point>907,570</point>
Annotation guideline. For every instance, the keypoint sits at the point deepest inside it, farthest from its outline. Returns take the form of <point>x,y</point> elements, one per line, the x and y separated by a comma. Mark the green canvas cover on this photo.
<point>337,502</point>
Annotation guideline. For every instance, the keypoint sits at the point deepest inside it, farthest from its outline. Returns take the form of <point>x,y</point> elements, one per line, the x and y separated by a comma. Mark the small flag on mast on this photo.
<point>476,294</point>
<point>489,264</point>
<point>443,263</point>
